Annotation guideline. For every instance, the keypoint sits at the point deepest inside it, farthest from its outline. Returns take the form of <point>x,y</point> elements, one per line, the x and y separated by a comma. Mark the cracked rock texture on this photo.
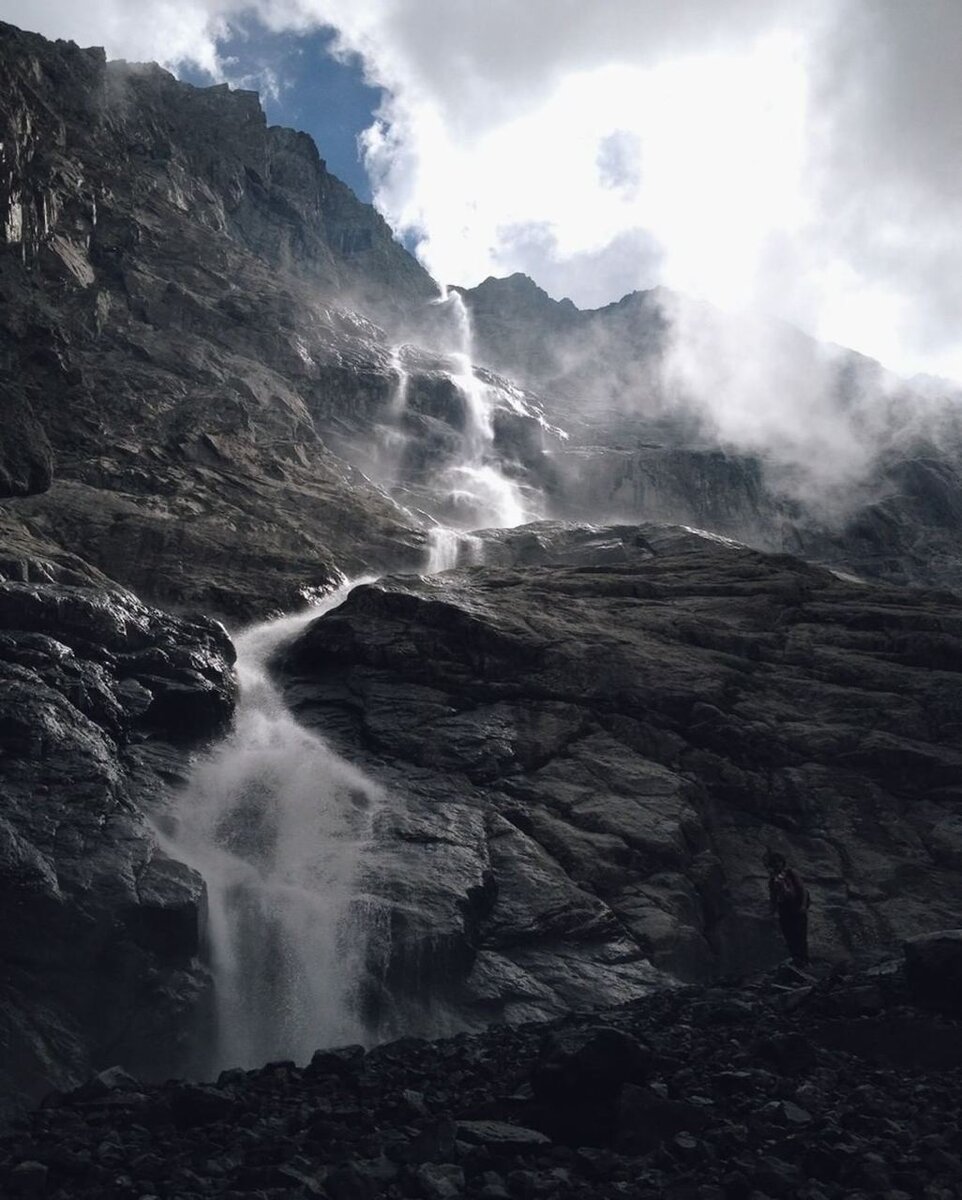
<point>101,699</point>
<point>588,757</point>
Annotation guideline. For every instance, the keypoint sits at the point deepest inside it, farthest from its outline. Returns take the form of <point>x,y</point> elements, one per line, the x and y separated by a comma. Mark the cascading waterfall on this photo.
<point>476,484</point>
<point>399,396</point>
<point>450,548</point>
<point>276,822</point>
<point>390,438</point>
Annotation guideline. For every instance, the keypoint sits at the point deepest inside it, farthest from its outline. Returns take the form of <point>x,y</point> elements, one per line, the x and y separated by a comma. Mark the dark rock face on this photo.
<point>168,339</point>
<point>585,745</point>
<point>599,754</point>
<point>101,698</point>
<point>933,963</point>
<point>25,455</point>
<point>702,1101</point>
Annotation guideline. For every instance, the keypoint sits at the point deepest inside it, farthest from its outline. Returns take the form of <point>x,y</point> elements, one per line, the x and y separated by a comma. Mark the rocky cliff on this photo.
<point>180,338</point>
<point>101,700</point>
<point>606,732</point>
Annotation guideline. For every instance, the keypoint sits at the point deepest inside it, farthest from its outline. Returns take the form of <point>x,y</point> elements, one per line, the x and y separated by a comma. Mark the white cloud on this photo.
<point>165,31</point>
<point>805,159</point>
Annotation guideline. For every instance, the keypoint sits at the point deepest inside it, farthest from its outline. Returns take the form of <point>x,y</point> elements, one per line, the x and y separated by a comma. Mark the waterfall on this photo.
<point>476,484</point>
<point>278,824</point>
<point>399,394</point>
<point>450,548</point>
<point>275,822</point>
<point>390,440</point>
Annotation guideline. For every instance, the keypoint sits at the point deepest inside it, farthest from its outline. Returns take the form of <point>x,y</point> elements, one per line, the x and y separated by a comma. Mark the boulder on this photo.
<point>586,761</point>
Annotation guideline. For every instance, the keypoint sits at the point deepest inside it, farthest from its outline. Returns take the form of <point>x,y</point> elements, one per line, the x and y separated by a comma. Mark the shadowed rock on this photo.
<point>587,762</point>
<point>101,698</point>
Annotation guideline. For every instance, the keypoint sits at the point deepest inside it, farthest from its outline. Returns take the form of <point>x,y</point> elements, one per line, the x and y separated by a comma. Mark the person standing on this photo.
<point>790,900</point>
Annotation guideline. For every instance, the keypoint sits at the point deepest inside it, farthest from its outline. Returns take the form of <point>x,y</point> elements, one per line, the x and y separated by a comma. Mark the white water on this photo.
<point>390,440</point>
<point>477,486</point>
<point>275,822</point>
<point>399,396</point>
<point>450,548</point>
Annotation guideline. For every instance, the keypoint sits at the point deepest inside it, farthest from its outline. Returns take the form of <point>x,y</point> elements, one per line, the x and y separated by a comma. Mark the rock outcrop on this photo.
<point>586,744</point>
<point>586,762</point>
<point>101,699</point>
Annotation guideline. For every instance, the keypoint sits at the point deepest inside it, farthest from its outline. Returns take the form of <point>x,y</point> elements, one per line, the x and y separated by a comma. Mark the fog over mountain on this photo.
<point>388,655</point>
<point>794,159</point>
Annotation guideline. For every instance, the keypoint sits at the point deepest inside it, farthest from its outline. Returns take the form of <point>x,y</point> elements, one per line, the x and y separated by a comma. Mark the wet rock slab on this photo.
<point>587,754</point>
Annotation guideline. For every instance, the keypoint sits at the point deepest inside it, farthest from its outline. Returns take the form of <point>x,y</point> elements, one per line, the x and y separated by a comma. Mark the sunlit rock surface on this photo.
<point>167,334</point>
<point>589,760</point>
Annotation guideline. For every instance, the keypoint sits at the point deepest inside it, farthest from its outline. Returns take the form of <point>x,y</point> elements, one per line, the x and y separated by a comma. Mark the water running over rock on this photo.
<point>275,822</point>
<point>450,548</point>
<point>477,485</point>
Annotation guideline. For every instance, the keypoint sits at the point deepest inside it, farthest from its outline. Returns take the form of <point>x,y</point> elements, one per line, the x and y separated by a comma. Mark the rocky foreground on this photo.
<point>851,1087</point>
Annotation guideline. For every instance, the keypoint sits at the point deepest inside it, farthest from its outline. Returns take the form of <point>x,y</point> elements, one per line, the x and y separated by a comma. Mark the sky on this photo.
<point>798,158</point>
<point>302,85</point>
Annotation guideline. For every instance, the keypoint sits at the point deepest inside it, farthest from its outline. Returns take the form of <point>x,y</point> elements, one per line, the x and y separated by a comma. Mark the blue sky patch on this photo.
<point>303,86</point>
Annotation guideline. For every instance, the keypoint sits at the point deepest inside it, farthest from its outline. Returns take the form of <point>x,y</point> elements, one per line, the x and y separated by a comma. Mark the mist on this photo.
<point>796,160</point>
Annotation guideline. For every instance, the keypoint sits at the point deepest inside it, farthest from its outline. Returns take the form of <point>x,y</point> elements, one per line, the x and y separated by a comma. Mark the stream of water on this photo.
<point>476,484</point>
<point>277,823</point>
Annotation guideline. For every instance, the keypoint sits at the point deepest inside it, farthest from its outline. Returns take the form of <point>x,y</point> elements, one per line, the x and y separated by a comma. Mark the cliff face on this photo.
<point>605,729</point>
<point>101,701</point>
<point>168,274</point>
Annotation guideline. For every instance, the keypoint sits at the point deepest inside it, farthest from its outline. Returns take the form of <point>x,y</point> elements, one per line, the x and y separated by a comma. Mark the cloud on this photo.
<point>802,159</point>
<point>619,161</point>
<point>168,32</point>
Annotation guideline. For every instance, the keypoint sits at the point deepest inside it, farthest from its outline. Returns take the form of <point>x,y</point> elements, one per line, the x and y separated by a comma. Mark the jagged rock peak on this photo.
<point>243,175</point>
<point>518,287</point>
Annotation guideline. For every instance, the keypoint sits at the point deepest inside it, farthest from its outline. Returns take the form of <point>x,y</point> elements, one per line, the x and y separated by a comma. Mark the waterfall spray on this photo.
<point>276,822</point>
<point>476,483</point>
<point>450,548</point>
<point>399,395</point>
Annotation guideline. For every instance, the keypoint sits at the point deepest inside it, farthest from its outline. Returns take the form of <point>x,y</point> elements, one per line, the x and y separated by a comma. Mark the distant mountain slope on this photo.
<point>748,427</point>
